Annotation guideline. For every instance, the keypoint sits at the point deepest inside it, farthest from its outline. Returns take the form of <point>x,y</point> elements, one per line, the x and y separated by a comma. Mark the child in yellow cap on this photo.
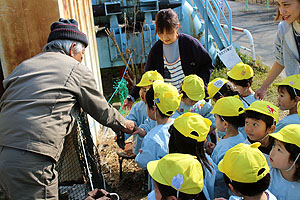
<point>246,172</point>
<point>162,101</point>
<point>241,76</point>
<point>285,162</point>
<point>261,119</point>
<point>229,114</point>
<point>289,96</point>
<point>178,177</point>
<point>138,112</point>
<point>193,92</point>
<point>220,87</point>
<point>188,135</point>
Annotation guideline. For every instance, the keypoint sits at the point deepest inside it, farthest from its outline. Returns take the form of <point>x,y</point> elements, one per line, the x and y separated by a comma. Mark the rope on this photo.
<point>121,79</point>
<point>118,85</point>
<point>85,157</point>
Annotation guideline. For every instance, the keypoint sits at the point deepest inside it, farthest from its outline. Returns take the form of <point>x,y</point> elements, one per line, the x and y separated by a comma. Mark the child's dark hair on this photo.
<point>167,191</point>
<point>184,95</point>
<point>294,150</point>
<point>236,121</point>
<point>250,189</point>
<point>150,102</point>
<point>242,83</point>
<point>166,19</point>
<point>178,143</point>
<point>226,90</point>
<point>290,90</point>
<point>269,121</point>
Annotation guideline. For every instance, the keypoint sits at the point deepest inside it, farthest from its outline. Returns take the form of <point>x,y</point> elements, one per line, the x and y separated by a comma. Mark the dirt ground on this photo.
<point>131,185</point>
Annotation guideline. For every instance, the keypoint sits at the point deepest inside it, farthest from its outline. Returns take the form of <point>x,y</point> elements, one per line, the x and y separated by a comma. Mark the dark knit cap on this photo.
<point>67,29</point>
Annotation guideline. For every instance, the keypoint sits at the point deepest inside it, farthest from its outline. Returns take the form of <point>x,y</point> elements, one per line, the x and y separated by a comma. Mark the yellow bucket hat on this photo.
<point>293,81</point>
<point>189,122</point>
<point>288,134</point>
<point>166,97</point>
<point>228,106</point>
<point>265,108</point>
<point>193,86</point>
<point>243,162</point>
<point>241,71</point>
<point>149,77</point>
<point>182,172</point>
<point>214,86</point>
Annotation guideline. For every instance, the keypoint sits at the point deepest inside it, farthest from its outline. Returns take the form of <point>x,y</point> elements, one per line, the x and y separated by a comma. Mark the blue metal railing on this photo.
<point>212,13</point>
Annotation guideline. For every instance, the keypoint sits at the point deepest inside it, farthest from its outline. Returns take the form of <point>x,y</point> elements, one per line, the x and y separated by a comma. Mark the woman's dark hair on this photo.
<point>166,19</point>
<point>167,191</point>
<point>294,150</point>
<point>278,15</point>
<point>259,116</point>
<point>250,189</point>
<point>226,90</point>
<point>290,90</point>
<point>178,143</point>
<point>150,102</point>
<point>236,121</point>
<point>242,83</point>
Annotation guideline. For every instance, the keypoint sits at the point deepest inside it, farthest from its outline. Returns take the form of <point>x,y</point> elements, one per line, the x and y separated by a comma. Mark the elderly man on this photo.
<point>42,96</point>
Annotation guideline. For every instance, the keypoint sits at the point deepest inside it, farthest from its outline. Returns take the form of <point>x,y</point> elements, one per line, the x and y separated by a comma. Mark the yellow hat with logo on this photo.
<point>241,71</point>
<point>189,122</point>
<point>214,86</point>
<point>266,108</point>
<point>244,163</point>
<point>230,106</point>
<point>293,81</point>
<point>166,97</point>
<point>182,172</point>
<point>149,77</point>
<point>288,134</point>
<point>193,86</point>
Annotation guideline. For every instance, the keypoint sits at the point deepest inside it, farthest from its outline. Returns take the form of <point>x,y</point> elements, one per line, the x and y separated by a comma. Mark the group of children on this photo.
<point>236,149</point>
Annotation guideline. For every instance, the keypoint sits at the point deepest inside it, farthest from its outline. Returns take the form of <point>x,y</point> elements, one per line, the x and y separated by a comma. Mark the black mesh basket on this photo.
<point>79,165</point>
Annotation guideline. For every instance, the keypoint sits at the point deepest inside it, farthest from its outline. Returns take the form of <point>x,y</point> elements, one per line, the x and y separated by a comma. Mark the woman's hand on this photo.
<point>273,74</point>
<point>260,93</point>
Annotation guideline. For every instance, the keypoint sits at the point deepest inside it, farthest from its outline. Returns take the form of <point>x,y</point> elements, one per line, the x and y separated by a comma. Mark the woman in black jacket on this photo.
<point>175,55</point>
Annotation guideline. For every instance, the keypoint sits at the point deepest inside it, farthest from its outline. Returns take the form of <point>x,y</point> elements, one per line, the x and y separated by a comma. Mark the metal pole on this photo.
<point>249,35</point>
<point>206,24</point>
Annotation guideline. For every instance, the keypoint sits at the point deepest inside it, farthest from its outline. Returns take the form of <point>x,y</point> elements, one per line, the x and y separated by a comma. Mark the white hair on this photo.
<point>64,45</point>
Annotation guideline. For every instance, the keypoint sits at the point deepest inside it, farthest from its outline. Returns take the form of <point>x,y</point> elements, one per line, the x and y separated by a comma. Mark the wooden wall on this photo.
<point>24,29</point>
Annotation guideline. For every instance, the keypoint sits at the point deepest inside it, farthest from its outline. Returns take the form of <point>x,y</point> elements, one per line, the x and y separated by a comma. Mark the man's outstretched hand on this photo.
<point>130,127</point>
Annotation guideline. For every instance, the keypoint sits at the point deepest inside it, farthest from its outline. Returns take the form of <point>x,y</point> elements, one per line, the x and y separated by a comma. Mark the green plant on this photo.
<point>260,70</point>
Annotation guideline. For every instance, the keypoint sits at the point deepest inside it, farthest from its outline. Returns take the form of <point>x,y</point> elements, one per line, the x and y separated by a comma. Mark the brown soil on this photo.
<point>131,185</point>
